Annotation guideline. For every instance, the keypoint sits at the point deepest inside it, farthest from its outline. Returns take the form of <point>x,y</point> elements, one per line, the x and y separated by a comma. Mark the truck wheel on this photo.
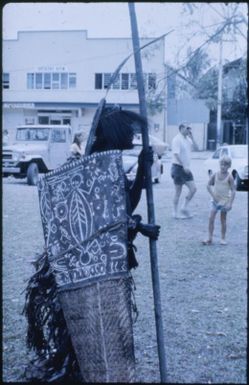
<point>32,174</point>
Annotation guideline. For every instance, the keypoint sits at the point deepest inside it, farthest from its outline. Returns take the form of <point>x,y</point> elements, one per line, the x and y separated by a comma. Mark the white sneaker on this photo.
<point>186,214</point>
<point>223,242</point>
<point>185,217</point>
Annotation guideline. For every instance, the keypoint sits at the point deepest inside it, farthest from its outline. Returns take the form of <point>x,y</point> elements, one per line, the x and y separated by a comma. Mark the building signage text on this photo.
<point>18,105</point>
<point>51,68</point>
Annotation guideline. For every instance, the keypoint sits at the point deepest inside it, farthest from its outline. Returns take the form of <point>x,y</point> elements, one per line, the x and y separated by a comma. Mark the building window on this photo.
<point>38,80</point>
<point>48,80</point>
<point>72,80</point>
<point>98,81</point>
<point>31,81</point>
<point>6,80</point>
<point>55,80</point>
<point>64,80</point>
<point>107,78</point>
<point>43,120</point>
<point>133,81</point>
<point>116,84</point>
<point>124,81</point>
<point>66,121</point>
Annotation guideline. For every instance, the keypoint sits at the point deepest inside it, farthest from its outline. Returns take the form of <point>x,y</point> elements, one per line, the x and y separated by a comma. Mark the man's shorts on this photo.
<point>179,176</point>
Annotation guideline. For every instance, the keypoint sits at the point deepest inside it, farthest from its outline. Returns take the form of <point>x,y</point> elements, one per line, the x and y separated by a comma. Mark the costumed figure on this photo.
<point>79,303</point>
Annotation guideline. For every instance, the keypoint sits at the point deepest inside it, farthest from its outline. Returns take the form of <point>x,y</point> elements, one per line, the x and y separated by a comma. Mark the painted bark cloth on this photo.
<point>83,212</point>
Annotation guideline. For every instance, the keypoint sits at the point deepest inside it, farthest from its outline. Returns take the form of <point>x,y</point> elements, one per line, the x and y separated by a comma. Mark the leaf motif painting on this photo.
<point>83,211</point>
<point>80,217</point>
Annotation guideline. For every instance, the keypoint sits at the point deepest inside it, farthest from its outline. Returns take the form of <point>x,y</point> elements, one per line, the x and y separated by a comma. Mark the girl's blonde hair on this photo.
<point>226,159</point>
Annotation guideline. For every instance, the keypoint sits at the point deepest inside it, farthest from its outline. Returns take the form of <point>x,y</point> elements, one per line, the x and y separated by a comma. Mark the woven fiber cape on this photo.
<point>83,212</point>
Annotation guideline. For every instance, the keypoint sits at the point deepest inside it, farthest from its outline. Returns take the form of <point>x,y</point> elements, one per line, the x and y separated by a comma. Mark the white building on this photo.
<point>60,76</point>
<point>181,106</point>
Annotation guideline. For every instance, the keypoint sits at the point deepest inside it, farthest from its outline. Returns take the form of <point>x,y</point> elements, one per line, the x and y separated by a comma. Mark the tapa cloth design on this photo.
<point>83,212</point>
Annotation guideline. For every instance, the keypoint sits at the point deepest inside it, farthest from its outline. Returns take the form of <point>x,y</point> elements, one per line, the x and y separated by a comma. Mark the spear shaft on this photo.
<point>149,195</point>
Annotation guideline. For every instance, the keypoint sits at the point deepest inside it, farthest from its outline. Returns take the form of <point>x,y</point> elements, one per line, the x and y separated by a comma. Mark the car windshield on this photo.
<point>32,134</point>
<point>239,152</point>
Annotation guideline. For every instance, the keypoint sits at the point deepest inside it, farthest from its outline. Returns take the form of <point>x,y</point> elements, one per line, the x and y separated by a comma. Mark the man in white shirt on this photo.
<point>182,145</point>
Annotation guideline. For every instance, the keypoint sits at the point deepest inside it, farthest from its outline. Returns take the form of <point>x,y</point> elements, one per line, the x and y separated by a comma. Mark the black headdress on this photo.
<point>115,128</point>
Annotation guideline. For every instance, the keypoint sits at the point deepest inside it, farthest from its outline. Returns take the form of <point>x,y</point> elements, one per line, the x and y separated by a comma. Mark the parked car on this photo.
<point>159,146</point>
<point>37,149</point>
<point>130,158</point>
<point>239,168</point>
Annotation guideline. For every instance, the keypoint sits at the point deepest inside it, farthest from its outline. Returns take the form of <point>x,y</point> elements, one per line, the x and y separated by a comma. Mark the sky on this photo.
<point>111,19</point>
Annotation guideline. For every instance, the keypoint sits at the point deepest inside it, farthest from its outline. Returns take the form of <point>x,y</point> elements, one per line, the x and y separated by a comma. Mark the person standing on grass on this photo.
<point>182,145</point>
<point>222,189</point>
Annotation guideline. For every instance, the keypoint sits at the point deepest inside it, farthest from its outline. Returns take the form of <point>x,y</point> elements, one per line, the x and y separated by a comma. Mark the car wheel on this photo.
<point>32,174</point>
<point>210,173</point>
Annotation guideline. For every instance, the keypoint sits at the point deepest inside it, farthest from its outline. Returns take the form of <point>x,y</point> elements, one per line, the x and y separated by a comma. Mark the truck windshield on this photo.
<point>32,134</point>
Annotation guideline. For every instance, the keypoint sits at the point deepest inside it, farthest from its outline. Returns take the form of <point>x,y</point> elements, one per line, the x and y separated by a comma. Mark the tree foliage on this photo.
<point>230,23</point>
<point>234,94</point>
<point>155,101</point>
<point>196,66</point>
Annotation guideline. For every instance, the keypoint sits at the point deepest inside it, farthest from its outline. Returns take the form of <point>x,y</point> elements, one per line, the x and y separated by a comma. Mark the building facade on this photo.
<point>59,77</point>
<point>182,107</point>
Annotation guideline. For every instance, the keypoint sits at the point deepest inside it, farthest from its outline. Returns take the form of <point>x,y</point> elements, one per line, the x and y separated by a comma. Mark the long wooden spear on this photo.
<point>149,194</point>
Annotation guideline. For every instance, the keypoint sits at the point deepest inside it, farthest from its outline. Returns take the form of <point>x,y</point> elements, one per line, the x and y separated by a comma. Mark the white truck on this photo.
<point>37,149</point>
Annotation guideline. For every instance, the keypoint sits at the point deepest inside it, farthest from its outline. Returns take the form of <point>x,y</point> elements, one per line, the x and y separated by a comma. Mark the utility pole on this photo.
<point>247,77</point>
<point>219,101</point>
<point>149,195</point>
<point>165,116</point>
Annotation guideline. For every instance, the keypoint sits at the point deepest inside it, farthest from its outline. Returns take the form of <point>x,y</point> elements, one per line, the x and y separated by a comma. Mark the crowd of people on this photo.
<point>220,186</point>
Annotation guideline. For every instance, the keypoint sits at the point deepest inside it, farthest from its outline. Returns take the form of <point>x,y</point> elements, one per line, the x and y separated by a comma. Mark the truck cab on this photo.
<point>37,149</point>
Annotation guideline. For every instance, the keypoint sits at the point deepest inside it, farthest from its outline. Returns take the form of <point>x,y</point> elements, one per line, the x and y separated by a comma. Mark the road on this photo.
<point>203,288</point>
